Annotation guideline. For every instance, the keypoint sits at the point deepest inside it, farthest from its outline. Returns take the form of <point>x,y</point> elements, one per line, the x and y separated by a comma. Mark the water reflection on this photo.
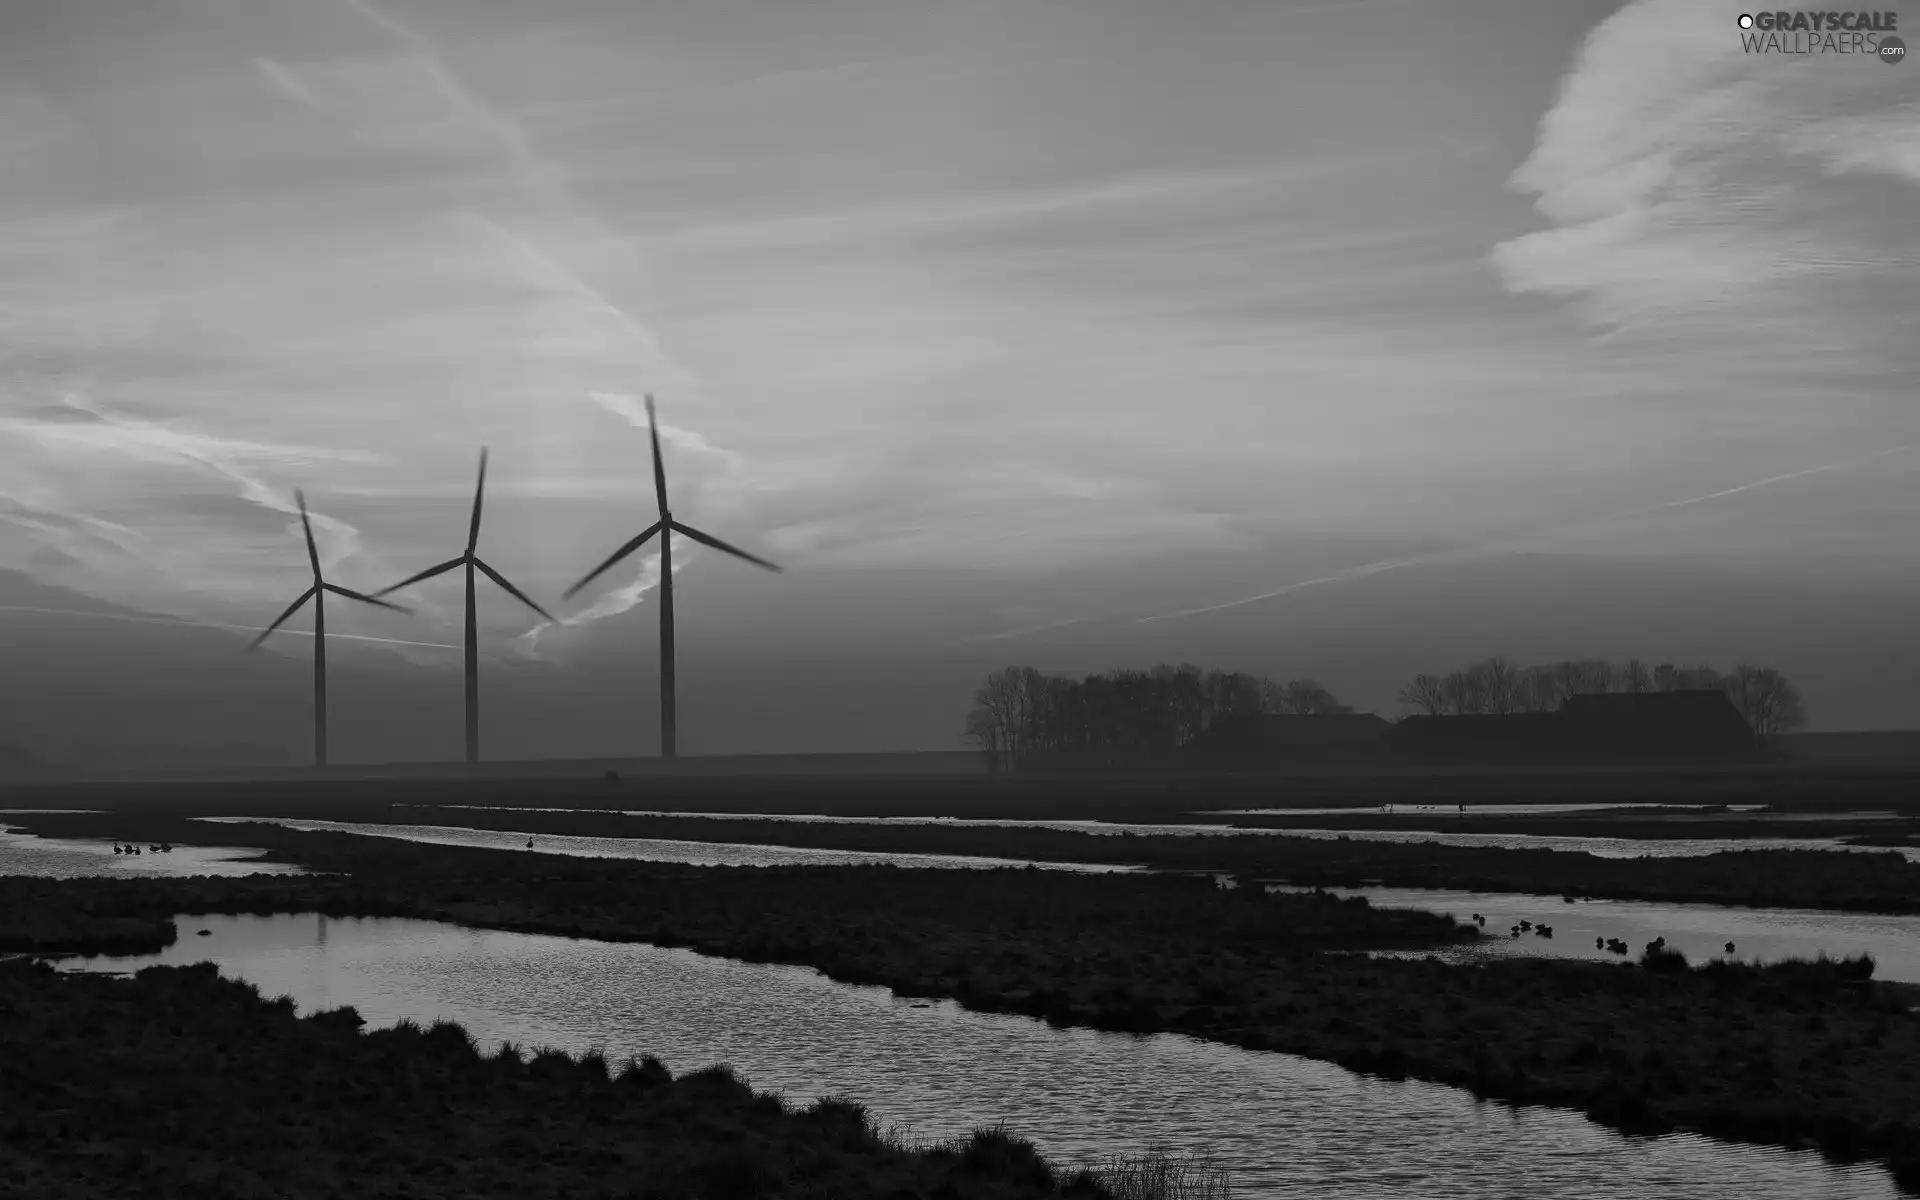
<point>1287,1127</point>
<point>1700,931</point>
<point>1479,810</point>
<point>1602,847</point>
<point>74,858</point>
<point>700,854</point>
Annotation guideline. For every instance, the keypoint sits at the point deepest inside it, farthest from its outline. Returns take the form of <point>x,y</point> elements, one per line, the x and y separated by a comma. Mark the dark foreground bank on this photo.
<point>180,1083</point>
<point>1814,1055</point>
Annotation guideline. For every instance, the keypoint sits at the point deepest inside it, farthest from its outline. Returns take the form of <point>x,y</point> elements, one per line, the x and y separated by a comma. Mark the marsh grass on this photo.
<point>1161,1174</point>
<point>1157,1174</point>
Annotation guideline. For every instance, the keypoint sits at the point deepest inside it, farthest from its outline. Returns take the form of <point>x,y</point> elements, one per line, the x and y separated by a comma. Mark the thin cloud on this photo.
<point>288,85</point>
<point>540,177</point>
<point>633,410</point>
<point>84,614</point>
<point>1139,191</point>
<point>229,458</point>
<point>1537,540</point>
<point>617,601</point>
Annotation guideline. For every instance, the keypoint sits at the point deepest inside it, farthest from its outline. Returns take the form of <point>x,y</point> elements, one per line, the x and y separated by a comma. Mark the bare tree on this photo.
<point>986,734</point>
<point>1634,677</point>
<point>1669,678</point>
<point>1495,683</point>
<point>1426,694</point>
<point>1764,697</point>
<point>995,724</point>
<point>1306,698</point>
<point>1541,689</point>
<point>1463,693</point>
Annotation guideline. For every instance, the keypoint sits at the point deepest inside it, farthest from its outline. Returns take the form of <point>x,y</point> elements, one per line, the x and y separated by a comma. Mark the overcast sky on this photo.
<point>1352,338</point>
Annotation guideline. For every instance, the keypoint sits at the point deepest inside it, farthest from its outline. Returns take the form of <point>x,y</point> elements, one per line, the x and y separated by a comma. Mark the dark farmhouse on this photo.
<point>1678,727</point>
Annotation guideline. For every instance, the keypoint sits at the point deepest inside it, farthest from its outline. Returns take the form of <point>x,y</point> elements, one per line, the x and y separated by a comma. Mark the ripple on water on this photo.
<point>1287,1127</point>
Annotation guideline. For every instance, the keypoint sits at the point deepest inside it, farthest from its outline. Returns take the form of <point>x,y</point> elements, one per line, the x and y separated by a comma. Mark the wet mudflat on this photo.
<point>68,858</point>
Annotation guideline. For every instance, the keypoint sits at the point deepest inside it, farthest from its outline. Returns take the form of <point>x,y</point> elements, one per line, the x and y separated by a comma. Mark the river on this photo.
<point>1286,1127</point>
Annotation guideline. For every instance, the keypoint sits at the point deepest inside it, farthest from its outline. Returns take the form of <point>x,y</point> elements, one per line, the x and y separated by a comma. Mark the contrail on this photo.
<point>1543,537</point>
<point>1001,637</point>
<point>145,620</point>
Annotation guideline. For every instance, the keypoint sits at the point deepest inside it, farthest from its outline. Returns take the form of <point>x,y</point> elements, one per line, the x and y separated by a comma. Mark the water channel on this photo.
<point>1600,847</point>
<point>75,858</point>
<point>1286,1127</point>
<point>1700,931</point>
<point>700,854</point>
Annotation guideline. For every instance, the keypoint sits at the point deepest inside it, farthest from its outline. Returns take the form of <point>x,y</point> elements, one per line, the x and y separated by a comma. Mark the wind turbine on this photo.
<point>472,562</point>
<point>666,526</point>
<point>318,594</point>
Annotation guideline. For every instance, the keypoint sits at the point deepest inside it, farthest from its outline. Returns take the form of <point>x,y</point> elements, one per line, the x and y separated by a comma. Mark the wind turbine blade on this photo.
<point>281,619</point>
<point>313,552</point>
<point>513,591</point>
<point>659,464</point>
<point>429,573</point>
<point>350,594</point>
<point>613,558</point>
<point>479,490</point>
<point>709,540</point>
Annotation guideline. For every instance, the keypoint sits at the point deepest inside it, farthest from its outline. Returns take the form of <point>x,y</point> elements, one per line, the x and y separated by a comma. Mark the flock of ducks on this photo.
<point>162,848</point>
<point>1615,945</point>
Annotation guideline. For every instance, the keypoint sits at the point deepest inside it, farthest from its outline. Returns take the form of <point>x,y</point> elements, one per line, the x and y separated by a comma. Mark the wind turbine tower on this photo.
<point>318,594</point>
<point>472,562</point>
<point>666,526</point>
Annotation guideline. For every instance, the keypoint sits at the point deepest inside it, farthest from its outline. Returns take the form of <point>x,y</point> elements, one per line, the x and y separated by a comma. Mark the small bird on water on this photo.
<point>529,843</point>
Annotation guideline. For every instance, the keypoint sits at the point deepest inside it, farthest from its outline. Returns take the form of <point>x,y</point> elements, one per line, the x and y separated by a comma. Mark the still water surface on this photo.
<point>1287,1127</point>
<point>1700,931</point>
<point>700,854</point>
<point>1601,847</point>
<point>1606,847</point>
<point>74,858</point>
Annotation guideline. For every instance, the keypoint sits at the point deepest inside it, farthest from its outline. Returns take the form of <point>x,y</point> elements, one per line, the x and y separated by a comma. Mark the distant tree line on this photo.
<point>1023,718</point>
<point>1497,686</point>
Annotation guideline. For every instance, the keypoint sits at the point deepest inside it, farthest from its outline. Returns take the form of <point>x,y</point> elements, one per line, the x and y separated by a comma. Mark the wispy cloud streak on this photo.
<point>85,615</point>
<point>1536,540</point>
<point>617,601</point>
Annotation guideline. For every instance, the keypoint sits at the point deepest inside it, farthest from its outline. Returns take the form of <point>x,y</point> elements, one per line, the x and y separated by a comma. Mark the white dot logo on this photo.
<point>1746,20</point>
